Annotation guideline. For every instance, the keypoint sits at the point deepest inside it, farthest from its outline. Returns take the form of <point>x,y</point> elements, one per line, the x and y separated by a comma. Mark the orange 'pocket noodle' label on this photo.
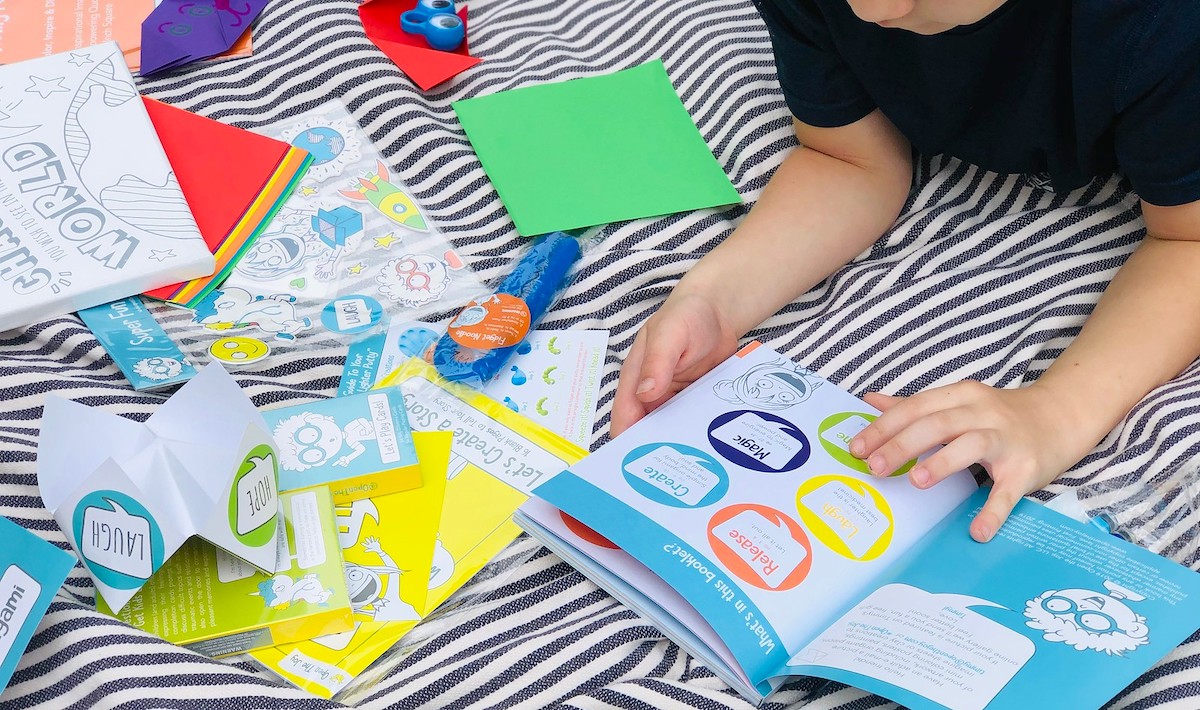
<point>497,321</point>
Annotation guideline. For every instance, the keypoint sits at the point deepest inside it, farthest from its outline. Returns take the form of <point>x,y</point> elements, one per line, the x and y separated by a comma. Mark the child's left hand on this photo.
<point>1020,436</point>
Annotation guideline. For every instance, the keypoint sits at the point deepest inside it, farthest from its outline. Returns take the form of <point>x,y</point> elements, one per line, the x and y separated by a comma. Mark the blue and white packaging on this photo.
<point>138,345</point>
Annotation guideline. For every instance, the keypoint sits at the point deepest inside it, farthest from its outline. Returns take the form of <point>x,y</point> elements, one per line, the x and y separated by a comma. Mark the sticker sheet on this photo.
<point>349,250</point>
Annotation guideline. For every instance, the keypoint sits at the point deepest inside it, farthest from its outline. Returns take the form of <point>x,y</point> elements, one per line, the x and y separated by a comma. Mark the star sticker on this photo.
<point>308,191</point>
<point>386,240</point>
<point>45,87</point>
<point>79,59</point>
<point>357,268</point>
<point>162,254</point>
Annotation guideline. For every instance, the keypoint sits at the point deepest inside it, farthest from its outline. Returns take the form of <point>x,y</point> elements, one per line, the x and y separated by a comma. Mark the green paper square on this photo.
<point>591,151</point>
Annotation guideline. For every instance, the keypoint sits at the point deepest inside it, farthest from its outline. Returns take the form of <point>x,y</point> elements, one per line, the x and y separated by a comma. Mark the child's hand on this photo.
<point>1017,435</point>
<point>686,338</point>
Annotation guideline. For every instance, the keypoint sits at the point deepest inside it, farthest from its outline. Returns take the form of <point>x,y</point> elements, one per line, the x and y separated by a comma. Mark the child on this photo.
<point>1072,88</point>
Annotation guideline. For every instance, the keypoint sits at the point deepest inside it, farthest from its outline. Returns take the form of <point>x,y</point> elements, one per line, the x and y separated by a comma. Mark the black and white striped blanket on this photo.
<point>985,277</point>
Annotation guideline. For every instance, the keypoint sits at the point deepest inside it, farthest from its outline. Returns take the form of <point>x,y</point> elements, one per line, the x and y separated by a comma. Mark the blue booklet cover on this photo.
<point>31,571</point>
<point>734,518</point>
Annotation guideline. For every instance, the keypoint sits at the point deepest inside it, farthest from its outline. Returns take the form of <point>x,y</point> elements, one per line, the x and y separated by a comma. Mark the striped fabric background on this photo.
<point>985,276</point>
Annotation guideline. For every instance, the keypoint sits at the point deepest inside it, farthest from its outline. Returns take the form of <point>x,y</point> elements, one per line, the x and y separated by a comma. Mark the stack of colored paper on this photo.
<point>234,181</point>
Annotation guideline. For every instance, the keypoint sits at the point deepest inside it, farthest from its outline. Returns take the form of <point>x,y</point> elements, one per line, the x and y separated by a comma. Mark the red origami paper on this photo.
<point>426,67</point>
<point>233,180</point>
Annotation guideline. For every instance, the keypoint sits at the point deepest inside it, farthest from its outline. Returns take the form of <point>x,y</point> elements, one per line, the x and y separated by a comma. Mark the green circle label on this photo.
<point>835,434</point>
<point>254,498</point>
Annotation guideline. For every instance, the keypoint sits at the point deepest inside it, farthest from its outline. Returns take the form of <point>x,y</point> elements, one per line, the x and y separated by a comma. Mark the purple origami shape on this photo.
<point>182,31</point>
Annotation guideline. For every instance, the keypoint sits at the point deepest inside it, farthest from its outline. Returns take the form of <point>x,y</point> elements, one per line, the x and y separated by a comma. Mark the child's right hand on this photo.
<point>686,338</point>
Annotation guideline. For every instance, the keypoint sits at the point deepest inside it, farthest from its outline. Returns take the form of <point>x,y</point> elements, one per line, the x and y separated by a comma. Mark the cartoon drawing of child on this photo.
<point>231,307</point>
<point>1084,619</point>
<point>771,386</point>
<point>301,238</point>
<point>309,439</point>
<point>414,279</point>
<point>375,591</point>
<point>281,591</point>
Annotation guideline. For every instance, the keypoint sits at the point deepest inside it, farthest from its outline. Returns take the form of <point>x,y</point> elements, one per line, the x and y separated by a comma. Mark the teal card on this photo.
<point>31,571</point>
<point>361,445</point>
<point>138,345</point>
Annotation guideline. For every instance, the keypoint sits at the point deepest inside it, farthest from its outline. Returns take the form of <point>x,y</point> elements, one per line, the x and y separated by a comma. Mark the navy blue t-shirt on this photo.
<point>1072,88</point>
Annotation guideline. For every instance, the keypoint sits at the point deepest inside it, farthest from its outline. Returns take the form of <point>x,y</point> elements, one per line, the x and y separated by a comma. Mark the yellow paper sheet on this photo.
<point>388,545</point>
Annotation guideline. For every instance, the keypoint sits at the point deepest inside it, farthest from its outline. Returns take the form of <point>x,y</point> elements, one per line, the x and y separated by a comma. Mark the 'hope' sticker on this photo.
<point>254,502</point>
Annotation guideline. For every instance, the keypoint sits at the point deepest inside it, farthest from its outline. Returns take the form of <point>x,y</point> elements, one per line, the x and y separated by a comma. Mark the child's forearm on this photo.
<point>1143,332</point>
<point>815,215</point>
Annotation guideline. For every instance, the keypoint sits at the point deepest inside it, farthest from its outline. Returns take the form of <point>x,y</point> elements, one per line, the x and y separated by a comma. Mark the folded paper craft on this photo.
<point>181,31</point>
<point>234,181</point>
<point>129,494</point>
<point>427,67</point>
<point>30,32</point>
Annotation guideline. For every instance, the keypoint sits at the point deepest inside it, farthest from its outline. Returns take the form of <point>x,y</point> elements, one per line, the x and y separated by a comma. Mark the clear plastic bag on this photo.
<point>480,340</point>
<point>349,249</point>
<point>1159,511</point>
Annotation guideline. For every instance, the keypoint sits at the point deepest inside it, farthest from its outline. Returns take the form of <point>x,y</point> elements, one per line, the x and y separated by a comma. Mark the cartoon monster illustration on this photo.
<point>375,591</point>
<point>281,591</point>
<point>413,280</point>
<point>309,439</point>
<point>771,386</point>
<point>392,202</point>
<point>231,307</point>
<point>1088,620</point>
<point>158,368</point>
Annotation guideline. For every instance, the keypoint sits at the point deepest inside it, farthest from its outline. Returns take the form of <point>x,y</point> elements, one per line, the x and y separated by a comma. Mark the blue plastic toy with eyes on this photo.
<point>436,21</point>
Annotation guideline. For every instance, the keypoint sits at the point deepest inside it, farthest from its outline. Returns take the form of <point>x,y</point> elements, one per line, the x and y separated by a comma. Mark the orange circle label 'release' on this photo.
<point>498,321</point>
<point>760,546</point>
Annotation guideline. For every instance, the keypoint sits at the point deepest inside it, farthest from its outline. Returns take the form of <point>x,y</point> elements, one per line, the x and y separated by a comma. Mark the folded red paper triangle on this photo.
<point>234,181</point>
<point>426,67</point>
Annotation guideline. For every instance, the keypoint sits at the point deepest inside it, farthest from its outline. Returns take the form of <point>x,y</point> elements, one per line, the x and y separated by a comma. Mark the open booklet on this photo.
<point>734,518</point>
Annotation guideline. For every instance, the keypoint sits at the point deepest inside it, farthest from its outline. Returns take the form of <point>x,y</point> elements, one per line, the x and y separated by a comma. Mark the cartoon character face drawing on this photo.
<point>413,280</point>
<point>308,439</point>
<point>158,368</point>
<point>274,255</point>
<point>231,307</point>
<point>281,591</point>
<point>375,591</point>
<point>1089,620</point>
<point>771,386</point>
<point>322,238</point>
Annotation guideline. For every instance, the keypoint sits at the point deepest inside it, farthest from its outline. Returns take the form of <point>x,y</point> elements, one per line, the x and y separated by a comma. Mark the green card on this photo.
<point>590,151</point>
